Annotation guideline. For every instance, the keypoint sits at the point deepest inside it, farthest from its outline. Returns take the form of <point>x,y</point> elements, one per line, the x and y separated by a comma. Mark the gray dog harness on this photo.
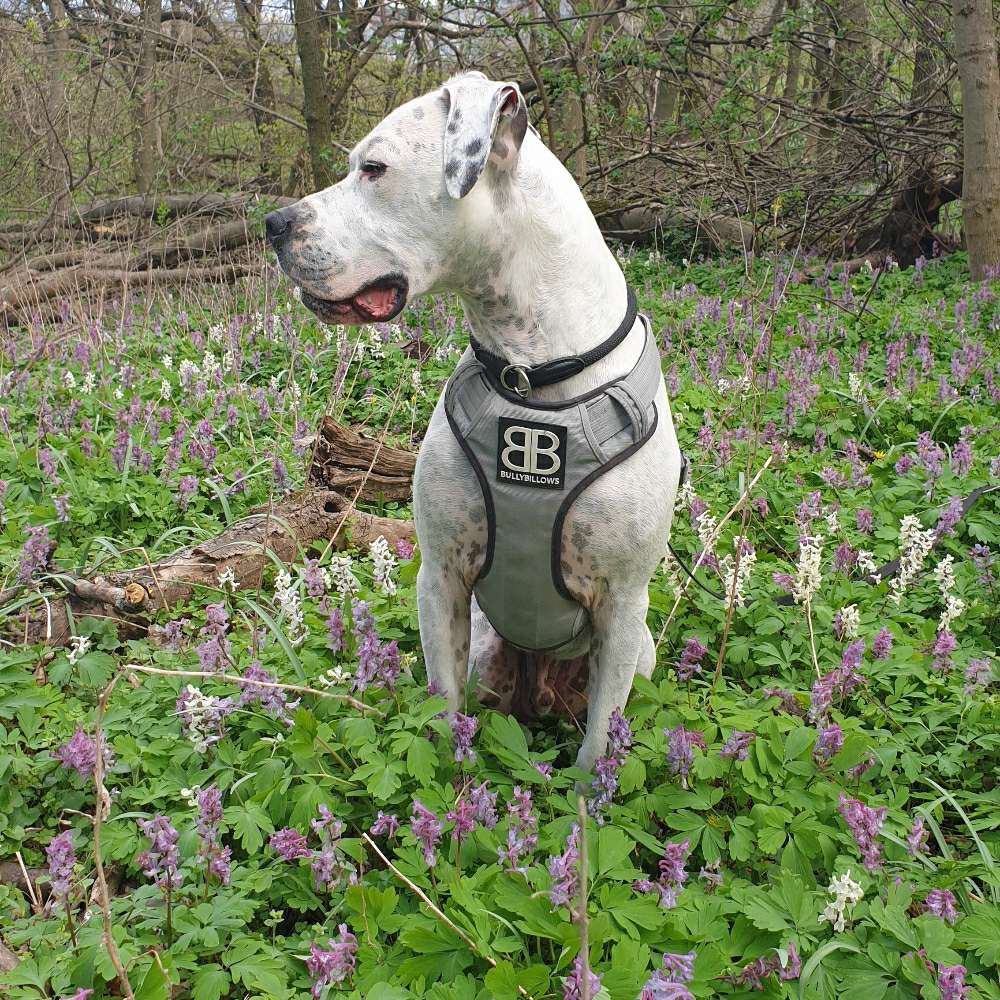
<point>533,460</point>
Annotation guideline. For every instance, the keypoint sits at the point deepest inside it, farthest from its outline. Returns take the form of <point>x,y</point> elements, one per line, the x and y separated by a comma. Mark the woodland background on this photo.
<point>834,127</point>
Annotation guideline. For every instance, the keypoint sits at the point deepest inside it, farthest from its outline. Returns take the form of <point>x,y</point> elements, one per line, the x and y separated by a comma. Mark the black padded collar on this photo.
<point>520,380</point>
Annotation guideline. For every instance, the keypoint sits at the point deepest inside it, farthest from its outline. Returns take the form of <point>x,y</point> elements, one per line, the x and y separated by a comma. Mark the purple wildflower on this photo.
<point>944,645</point>
<point>711,875</point>
<point>328,865</point>
<point>427,828</point>
<point>672,876</point>
<point>619,735</point>
<point>463,728</point>
<point>336,963</point>
<point>865,520</point>
<point>273,700</point>
<point>404,548</point>
<point>564,869</point>
<point>207,825</point>
<point>464,818</point>
<point>737,747</point>
<point>941,903</point>
<point>916,840</point>
<point>522,833</point>
<point>680,753</point>
<point>930,455</point>
<point>853,655</point>
<point>186,489</point>
<point>949,517</point>
<point>855,773</point>
<point>838,682</point>
<point>667,983</point>
<point>384,825</point>
<point>829,743</point>
<point>544,768</point>
<point>690,662</point>
<point>961,455</point>
<point>335,630</point>
<point>607,767</point>
<point>485,803</point>
<point>882,644</point>
<point>61,858</point>
<point>36,554</point>
<point>159,863</point>
<point>289,844</point>
<point>573,986</point>
<point>865,825</point>
<point>951,982</point>
<point>80,754</point>
<point>978,675</point>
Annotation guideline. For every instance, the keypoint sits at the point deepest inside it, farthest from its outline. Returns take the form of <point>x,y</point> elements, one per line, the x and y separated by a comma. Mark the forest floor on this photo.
<point>802,801</point>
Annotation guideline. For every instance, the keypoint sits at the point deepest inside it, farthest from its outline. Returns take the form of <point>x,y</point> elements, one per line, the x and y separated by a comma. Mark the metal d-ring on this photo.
<point>522,384</point>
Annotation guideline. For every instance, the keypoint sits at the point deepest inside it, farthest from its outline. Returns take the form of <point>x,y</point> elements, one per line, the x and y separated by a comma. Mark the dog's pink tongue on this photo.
<point>377,301</point>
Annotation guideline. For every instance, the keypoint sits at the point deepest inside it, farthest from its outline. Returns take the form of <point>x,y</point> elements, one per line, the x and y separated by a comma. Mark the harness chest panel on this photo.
<point>533,460</point>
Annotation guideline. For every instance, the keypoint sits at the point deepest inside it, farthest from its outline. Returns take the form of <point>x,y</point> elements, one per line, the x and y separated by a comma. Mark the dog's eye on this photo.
<point>372,169</point>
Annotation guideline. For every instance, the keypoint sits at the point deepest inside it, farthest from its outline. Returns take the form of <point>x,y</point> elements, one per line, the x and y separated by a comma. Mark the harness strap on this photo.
<point>520,379</point>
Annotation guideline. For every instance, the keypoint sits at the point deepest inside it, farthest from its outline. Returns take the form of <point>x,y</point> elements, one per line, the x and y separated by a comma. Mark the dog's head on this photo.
<point>420,185</point>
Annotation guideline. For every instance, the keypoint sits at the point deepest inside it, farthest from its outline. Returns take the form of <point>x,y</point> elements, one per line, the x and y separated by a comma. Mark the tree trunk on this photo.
<point>147,154</point>
<point>58,58</point>
<point>315,99</point>
<point>976,55</point>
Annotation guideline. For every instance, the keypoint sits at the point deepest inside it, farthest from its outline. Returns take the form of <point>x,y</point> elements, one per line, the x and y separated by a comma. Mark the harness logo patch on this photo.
<point>531,454</point>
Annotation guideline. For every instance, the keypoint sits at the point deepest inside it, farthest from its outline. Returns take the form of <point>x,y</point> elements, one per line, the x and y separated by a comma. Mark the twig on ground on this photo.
<point>236,679</point>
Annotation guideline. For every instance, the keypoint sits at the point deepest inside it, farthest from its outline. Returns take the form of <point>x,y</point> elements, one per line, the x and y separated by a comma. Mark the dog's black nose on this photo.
<point>278,227</point>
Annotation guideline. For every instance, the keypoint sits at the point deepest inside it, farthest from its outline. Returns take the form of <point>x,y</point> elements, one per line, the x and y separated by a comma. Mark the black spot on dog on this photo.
<point>474,147</point>
<point>472,171</point>
<point>451,168</point>
<point>454,122</point>
<point>418,113</point>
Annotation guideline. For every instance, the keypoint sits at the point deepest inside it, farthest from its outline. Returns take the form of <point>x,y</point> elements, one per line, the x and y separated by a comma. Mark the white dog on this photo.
<point>453,192</point>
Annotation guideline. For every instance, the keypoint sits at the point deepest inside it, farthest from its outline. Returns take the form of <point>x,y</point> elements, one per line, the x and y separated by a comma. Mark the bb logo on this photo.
<point>531,454</point>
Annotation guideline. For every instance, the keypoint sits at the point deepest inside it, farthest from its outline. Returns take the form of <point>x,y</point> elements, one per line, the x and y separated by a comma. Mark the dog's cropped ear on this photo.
<point>486,121</point>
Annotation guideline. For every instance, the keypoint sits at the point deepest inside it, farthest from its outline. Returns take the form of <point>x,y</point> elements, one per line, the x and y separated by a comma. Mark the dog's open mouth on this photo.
<point>377,302</point>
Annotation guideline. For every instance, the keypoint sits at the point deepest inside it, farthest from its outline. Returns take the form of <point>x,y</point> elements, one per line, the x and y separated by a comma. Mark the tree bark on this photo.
<point>976,55</point>
<point>56,110</point>
<point>147,153</point>
<point>309,41</point>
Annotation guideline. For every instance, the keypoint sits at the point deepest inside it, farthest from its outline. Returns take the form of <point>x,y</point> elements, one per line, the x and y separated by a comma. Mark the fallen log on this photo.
<point>644,223</point>
<point>28,291</point>
<point>210,240</point>
<point>246,549</point>
<point>355,464</point>
<point>170,205</point>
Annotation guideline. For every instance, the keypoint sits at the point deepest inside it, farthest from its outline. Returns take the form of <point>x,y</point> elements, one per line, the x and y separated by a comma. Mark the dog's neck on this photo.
<point>537,280</point>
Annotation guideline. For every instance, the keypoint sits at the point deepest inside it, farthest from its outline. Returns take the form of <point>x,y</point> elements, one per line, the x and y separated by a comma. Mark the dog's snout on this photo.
<point>278,226</point>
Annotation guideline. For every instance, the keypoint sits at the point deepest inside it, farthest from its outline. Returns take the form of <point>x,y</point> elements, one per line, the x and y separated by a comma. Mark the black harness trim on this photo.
<point>564,507</point>
<point>484,488</point>
<point>558,370</point>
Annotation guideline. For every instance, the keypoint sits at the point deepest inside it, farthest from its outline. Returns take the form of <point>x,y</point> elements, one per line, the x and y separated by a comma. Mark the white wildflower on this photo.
<point>866,561</point>
<point>79,646</point>
<point>944,574</point>
<point>118,394</point>
<point>384,562</point>
<point>286,596</point>
<point>850,621</point>
<point>685,495</point>
<point>210,366</point>
<point>168,362</point>
<point>808,573</point>
<point>227,580</point>
<point>736,577</point>
<point>203,716</point>
<point>296,392</point>
<point>914,545</point>
<point>216,333</point>
<point>334,677</point>
<point>832,520</point>
<point>855,387</point>
<point>953,608</point>
<point>672,569</point>
<point>187,370</point>
<point>723,385</point>
<point>89,383</point>
<point>165,389</point>
<point>418,387</point>
<point>375,345</point>
<point>190,795</point>
<point>69,379</point>
<point>706,530</point>
<point>846,892</point>
<point>341,576</point>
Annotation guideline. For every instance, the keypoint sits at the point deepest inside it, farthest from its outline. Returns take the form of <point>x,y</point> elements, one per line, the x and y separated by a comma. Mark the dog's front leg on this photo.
<point>444,609</point>
<point>619,637</point>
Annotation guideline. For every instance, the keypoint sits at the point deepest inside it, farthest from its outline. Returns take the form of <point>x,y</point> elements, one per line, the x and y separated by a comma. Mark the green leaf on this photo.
<point>155,984</point>
<point>421,760</point>
<point>811,966</point>
<point>210,982</point>
<point>981,932</point>
<point>613,849</point>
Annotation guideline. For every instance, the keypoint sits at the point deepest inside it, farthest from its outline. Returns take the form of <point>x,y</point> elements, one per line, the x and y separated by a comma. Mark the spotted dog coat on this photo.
<point>453,192</point>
